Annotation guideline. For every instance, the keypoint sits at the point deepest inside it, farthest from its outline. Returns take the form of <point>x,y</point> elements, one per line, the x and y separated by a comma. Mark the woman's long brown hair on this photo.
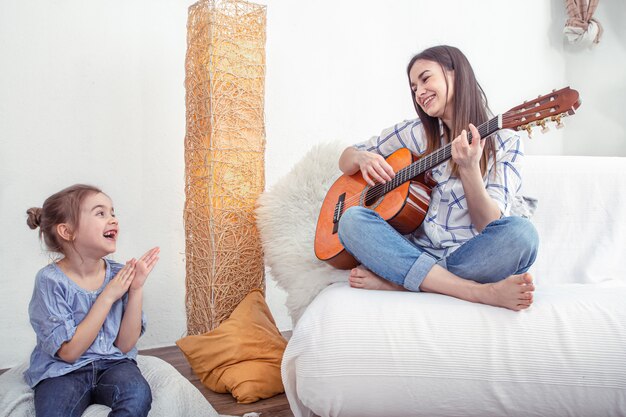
<point>470,102</point>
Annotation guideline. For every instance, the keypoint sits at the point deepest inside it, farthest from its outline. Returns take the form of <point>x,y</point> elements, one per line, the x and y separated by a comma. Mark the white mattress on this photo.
<point>376,353</point>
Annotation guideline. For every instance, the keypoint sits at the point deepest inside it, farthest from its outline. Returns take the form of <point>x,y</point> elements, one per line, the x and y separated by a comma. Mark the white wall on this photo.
<point>93,92</point>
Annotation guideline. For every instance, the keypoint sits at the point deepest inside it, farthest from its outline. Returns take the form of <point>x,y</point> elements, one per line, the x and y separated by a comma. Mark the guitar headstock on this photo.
<point>543,110</point>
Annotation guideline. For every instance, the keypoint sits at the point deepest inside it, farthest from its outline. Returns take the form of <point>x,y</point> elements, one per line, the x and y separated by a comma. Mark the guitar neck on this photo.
<point>437,157</point>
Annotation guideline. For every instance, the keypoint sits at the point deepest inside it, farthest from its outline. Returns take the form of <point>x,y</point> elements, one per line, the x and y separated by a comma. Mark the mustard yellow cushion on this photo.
<point>242,355</point>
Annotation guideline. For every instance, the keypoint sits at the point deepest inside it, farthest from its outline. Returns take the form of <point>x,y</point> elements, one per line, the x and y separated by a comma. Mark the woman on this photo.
<point>468,246</point>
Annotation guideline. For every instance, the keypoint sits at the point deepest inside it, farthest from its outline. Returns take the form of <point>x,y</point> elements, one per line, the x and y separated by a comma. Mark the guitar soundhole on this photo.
<point>370,199</point>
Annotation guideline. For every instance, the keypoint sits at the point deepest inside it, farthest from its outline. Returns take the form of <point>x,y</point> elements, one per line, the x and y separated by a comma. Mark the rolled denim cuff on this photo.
<point>418,272</point>
<point>442,263</point>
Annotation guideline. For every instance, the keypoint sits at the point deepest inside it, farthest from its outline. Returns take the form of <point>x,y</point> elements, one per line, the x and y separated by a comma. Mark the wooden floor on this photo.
<point>224,403</point>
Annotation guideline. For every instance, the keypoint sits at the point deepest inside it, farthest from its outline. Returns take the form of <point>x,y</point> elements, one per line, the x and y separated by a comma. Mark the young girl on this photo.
<point>467,247</point>
<point>86,310</point>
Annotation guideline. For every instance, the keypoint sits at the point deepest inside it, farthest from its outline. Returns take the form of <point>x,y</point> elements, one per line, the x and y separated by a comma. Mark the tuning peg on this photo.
<point>559,122</point>
<point>529,130</point>
<point>544,128</point>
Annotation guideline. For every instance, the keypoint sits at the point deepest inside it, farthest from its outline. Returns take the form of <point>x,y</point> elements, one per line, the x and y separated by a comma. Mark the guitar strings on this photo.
<point>409,172</point>
<point>402,176</point>
<point>405,174</point>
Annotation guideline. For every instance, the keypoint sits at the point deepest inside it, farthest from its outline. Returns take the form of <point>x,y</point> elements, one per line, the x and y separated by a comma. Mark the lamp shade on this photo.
<point>224,157</point>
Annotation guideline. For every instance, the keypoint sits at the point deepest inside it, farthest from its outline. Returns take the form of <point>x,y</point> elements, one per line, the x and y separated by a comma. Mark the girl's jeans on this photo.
<point>505,247</point>
<point>115,383</point>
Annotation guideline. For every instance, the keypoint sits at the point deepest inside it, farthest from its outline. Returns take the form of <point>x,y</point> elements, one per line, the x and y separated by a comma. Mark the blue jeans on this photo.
<point>505,247</point>
<point>115,383</point>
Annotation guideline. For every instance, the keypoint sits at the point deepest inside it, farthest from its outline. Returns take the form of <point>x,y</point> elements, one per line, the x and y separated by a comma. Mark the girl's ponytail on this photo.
<point>62,207</point>
<point>34,217</point>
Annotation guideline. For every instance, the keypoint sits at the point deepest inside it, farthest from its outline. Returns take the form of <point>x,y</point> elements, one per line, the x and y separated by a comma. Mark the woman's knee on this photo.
<point>351,223</point>
<point>523,236</point>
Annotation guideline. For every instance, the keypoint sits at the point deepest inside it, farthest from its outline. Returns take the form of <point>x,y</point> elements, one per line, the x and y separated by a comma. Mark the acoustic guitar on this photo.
<point>405,207</point>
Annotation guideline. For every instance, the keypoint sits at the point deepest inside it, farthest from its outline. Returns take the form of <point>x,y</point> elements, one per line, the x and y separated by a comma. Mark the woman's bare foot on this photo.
<point>360,277</point>
<point>514,292</point>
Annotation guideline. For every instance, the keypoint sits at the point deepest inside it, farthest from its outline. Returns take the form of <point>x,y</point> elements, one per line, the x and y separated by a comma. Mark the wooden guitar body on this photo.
<point>404,208</point>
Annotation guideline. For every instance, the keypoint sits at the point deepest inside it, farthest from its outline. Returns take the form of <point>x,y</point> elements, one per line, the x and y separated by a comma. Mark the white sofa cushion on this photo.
<point>581,217</point>
<point>388,353</point>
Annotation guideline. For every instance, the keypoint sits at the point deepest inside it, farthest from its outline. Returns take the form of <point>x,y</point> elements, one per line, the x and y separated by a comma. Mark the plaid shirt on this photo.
<point>447,224</point>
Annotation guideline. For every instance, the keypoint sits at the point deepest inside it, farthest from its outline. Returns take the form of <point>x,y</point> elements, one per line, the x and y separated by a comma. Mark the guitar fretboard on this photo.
<point>432,160</point>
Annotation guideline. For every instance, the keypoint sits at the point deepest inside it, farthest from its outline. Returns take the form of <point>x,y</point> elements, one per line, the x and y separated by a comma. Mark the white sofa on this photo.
<point>379,353</point>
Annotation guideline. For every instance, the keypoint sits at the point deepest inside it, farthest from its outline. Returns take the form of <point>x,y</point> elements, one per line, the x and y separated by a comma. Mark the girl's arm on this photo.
<point>87,330</point>
<point>482,208</point>
<point>130,328</point>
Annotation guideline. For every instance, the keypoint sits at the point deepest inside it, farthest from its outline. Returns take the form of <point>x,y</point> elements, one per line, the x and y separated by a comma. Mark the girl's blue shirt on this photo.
<point>57,307</point>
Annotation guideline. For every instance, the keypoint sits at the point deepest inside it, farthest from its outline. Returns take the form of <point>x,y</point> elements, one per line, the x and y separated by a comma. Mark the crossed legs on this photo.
<point>489,269</point>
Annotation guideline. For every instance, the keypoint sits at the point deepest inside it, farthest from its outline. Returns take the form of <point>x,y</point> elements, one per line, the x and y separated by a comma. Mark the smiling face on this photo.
<point>433,89</point>
<point>98,227</point>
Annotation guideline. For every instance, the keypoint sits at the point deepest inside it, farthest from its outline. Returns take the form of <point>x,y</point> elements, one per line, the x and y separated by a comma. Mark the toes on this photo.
<point>356,282</point>
<point>526,296</point>
<point>525,299</point>
<point>528,279</point>
<point>523,279</point>
<point>525,282</point>
<point>519,279</point>
<point>359,272</point>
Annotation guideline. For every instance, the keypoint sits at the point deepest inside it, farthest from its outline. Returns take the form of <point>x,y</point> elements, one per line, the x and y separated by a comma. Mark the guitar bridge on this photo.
<point>338,212</point>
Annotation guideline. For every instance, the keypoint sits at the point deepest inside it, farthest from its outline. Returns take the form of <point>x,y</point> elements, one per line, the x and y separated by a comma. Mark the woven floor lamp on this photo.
<point>224,157</point>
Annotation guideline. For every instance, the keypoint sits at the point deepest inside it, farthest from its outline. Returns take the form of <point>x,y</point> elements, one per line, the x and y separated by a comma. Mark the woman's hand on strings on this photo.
<point>374,168</point>
<point>467,155</point>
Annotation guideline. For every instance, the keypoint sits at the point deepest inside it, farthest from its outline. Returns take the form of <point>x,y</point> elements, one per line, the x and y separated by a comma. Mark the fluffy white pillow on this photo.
<point>287,216</point>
